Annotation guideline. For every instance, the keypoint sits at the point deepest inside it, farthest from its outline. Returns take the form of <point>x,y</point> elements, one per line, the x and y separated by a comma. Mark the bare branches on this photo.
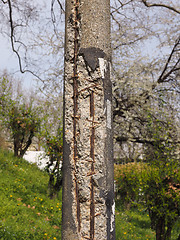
<point>52,12</point>
<point>53,15</point>
<point>129,43</point>
<point>116,9</point>
<point>61,7</point>
<point>164,76</point>
<point>143,140</point>
<point>160,5</point>
<point>52,8</point>
<point>12,37</point>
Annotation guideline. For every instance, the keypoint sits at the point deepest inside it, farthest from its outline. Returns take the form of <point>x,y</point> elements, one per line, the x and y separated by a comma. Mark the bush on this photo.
<point>3,142</point>
<point>156,182</point>
<point>53,146</point>
<point>161,188</point>
<point>23,123</point>
<point>162,196</point>
<point>19,118</point>
<point>128,179</point>
<point>155,189</point>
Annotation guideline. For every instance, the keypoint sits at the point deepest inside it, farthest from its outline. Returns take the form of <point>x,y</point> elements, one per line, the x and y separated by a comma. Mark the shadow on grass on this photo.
<point>141,223</point>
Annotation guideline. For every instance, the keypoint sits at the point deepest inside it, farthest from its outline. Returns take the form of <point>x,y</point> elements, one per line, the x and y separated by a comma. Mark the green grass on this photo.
<point>134,224</point>
<point>25,210</point>
<point>27,213</point>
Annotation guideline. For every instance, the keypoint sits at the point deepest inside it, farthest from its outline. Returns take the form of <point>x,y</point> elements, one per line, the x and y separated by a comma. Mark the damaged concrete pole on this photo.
<point>88,181</point>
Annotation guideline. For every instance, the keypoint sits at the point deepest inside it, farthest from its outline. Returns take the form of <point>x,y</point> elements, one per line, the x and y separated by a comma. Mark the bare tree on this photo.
<point>143,81</point>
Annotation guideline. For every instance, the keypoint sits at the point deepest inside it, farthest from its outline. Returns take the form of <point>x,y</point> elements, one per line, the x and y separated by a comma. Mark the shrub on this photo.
<point>161,188</point>
<point>162,196</point>
<point>54,149</point>
<point>17,117</point>
<point>128,180</point>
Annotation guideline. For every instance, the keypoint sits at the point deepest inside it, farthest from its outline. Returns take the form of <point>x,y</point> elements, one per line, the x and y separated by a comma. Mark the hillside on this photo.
<point>25,210</point>
<point>27,213</point>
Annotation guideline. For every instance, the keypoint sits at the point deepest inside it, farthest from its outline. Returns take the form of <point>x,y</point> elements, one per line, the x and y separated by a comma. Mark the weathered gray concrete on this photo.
<point>88,192</point>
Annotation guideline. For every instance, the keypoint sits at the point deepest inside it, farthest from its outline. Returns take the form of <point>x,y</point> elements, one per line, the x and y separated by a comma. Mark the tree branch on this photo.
<point>13,41</point>
<point>160,5</point>
<point>162,77</point>
<point>121,6</point>
<point>144,141</point>
<point>62,9</point>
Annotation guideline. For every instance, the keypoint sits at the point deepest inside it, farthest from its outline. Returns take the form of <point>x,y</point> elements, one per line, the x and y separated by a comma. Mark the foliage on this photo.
<point>162,197</point>
<point>154,184</point>
<point>162,187</point>
<point>132,224</point>
<point>24,200</point>
<point>139,76</point>
<point>25,210</point>
<point>51,137</point>
<point>41,117</point>
<point>144,187</point>
<point>128,180</point>
<point>135,224</point>
<point>23,124</point>
<point>3,143</point>
<point>54,150</point>
<point>20,118</point>
<point>145,47</point>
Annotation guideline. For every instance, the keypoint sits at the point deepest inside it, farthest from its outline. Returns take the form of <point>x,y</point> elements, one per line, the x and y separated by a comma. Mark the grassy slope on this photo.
<point>135,225</point>
<point>25,210</point>
<point>27,213</point>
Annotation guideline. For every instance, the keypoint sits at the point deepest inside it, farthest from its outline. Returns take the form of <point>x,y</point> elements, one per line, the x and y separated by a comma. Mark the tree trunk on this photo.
<point>26,145</point>
<point>16,148</point>
<point>168,232</point>
<point>88,180</point>
<point>160,229</point>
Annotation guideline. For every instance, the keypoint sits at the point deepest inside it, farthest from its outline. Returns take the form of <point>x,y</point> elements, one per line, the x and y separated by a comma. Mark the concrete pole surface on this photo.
<point>88,179</point>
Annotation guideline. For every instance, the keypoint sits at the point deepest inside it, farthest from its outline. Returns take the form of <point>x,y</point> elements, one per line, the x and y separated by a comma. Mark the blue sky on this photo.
<point>9,61</point>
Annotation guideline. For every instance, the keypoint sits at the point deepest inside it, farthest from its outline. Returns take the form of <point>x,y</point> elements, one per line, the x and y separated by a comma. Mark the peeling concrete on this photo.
<point>109,124</point>
<point>113,217</point>
<point>102,66</point>
<point>88,161</point>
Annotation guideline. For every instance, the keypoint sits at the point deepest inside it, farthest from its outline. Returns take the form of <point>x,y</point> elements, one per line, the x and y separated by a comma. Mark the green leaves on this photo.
<point>54,149</point>
<point>162,189</point>
<point>19,118</point>
<point>155,182</point>
<point>129,180</point>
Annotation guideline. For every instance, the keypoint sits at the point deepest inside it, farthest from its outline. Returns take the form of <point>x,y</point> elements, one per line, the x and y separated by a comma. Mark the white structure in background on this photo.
<point>37,157</point>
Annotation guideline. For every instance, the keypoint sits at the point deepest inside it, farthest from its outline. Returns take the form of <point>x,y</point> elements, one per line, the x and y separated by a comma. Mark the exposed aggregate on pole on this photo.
<point>88,190</point>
